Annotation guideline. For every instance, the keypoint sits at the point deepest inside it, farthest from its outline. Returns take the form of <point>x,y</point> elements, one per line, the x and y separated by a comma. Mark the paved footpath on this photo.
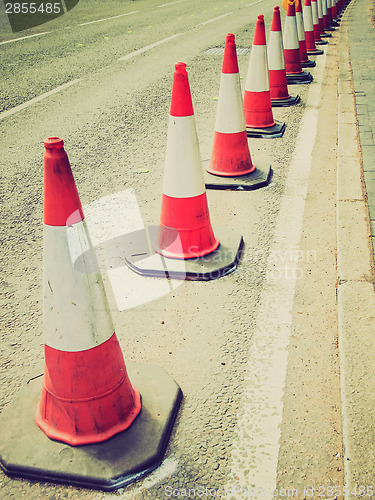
<point>355,234</point>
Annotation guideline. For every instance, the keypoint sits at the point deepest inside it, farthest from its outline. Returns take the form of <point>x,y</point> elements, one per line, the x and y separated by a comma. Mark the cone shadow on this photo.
<point>142,258</point>
<point>261,177</point>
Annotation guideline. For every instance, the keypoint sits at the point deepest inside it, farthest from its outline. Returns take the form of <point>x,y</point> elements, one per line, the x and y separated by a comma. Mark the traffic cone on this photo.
<point>293,67</point>
<point>309,30</point>
<point>332,22</point>
<point>230,153</point>
<point>326,25</point>
<point>321,6</point>
<point>305,61</point>
<point>86,394</point>
<point>79,404</point>
<point>334,12</point>
<point>276,64</point>
<point>316,27</point>
<point>257,98</point>
<point>184,205</point>
<point>231,158</point>
<point>185,232</point>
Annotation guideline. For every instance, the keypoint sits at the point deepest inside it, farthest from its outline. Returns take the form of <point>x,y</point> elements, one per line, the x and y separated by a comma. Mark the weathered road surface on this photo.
<point>255,352</point>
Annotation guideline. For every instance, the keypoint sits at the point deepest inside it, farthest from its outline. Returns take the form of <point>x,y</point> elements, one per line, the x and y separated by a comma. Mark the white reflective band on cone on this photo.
<point>275,55</point>
<point>320,9</point>
<point>183,174</point>
<point>324,8</point>
<point>230,116</point>
<point>300,26</point>
<point>307,18</point>
<point>257,79</point>
<point>314,7</point>
<point>290,33</point>
<point>76,311</point>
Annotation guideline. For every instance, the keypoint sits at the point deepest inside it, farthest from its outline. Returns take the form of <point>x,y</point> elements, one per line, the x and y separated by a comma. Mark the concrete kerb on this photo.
<point>355,286</point>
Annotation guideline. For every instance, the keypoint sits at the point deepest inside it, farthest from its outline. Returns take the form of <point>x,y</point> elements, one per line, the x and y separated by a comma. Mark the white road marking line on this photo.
<point>148,47</point>
<point>256,445</point>
<point>11,111</point>
<point>108,18</point>
<point>24,37</point>
<point>254,3</point>
<point>213,19</point>
<point>170,3</point>
<point>152,45</point>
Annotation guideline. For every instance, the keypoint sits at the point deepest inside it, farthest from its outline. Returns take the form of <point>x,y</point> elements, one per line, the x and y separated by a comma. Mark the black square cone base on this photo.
<point>299,78</point>
<point>321,42</point>
<point>142,258</point>
<point>276,130</point>
<point>255,180</point>
<point>315,52</point>
<point>325,35</point>
<point>292,100</point>
<point>308,64</point>
<point>25,451</point>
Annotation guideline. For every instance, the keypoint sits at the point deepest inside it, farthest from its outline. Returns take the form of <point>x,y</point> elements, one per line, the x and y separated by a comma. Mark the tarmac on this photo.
<point>355,249</point>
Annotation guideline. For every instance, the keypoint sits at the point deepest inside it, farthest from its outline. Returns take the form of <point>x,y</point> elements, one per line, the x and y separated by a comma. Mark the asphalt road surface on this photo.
<point>255,352</point>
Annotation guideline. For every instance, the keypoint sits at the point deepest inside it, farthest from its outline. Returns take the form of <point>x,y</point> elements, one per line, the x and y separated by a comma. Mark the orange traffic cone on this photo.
<point>184,205</point>
<point>257,99</point>
<point>230,152</point>
<point>321,6</point>
<point>316,26</point>
<point>309,30</point>
<point>185,232</point>
<point>334,12</point>
<point>305,61</point>
<point>325,16</point>
<point>329,24</point>
<point>293,67</point>
<point>79,404</point>
<point>86,394</point>
<point>231,165</point>
<point>278,84</point>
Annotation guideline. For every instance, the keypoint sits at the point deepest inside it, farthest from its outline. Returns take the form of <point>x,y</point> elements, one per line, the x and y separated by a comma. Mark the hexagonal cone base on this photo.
<point>315,52</point>
<point>255,180</point>
<point>292,100</point>
<point>298,78</point>
<point>25,451</point>
<point>276,130</point>
<point>308,64</point>
<point>142,258</point>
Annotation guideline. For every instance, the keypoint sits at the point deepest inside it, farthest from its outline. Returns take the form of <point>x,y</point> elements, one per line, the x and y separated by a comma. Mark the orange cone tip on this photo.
<point>61,200</point>
<point>230,62</point>
<point>181,103</point>
<point>276,20</point>
<point>260,32</point>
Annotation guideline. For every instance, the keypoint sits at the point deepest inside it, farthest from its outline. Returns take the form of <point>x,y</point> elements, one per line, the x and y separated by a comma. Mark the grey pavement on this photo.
<point>355,235</point>
<point>362,46</point>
